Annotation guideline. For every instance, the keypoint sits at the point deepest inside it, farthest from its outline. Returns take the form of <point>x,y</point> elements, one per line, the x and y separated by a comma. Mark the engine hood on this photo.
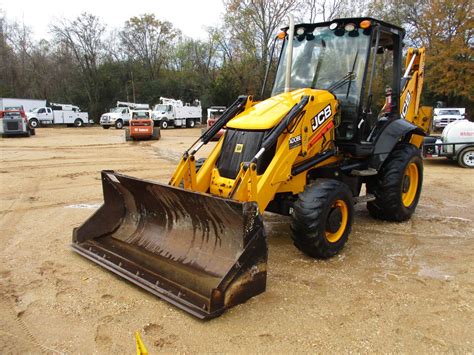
<point>266,114</point>
<point>112,115</point>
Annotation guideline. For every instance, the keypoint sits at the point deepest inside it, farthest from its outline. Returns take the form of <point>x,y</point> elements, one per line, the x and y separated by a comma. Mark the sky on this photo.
<point>189,16</point>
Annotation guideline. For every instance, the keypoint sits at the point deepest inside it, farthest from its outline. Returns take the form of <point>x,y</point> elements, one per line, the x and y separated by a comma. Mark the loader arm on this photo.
<point>412,86</point>
<point>298,131</point>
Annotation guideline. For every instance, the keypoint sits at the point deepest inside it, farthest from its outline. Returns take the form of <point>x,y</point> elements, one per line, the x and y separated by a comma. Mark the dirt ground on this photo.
<point>396,287</point>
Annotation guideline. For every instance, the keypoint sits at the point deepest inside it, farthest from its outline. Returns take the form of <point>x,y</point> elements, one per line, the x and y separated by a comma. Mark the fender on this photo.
<point>393,132</point>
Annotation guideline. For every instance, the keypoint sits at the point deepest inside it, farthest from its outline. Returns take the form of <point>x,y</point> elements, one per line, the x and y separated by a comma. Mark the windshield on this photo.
<point>326,59</point>
<point>117,109</point>
<point>161,108</point>
<point>141,114</point>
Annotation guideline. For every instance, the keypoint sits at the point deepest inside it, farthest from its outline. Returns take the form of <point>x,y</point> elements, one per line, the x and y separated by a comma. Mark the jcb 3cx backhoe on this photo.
<point>341,115</point>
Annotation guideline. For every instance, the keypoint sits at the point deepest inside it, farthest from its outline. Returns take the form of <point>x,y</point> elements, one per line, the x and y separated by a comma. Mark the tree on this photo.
<point>445,28</point>
<point>82,39</point>
<point>150,41</point>
<point>251,26</point>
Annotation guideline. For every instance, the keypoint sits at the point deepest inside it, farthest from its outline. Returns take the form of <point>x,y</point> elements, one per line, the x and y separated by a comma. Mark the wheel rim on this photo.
<point>468,158</point>
<point>410,184</point>
<point>164,124</point>
<point>337,221</point>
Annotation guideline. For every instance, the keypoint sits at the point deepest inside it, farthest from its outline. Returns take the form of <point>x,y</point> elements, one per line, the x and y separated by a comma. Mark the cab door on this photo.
<point>45,114</point>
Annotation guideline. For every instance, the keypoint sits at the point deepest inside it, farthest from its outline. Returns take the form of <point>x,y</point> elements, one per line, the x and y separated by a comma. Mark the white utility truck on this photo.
<point>26,104</point>
<point>57,114</point>
<point>120,115</point>
<point>170,112</point>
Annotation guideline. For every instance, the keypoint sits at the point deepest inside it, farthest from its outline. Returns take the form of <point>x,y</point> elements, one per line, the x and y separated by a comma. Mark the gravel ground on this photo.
<point>396,287</point>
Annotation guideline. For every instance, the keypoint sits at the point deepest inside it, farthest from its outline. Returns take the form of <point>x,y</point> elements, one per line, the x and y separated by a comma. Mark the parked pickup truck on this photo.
<point>444,116</point>
<point>57,114</point>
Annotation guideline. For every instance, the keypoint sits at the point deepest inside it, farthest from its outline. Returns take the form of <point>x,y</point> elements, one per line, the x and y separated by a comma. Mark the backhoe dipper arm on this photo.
<point>412,86</point>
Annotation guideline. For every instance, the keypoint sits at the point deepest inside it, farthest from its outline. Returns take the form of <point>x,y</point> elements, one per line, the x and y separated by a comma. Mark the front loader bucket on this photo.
<point>201,253</point>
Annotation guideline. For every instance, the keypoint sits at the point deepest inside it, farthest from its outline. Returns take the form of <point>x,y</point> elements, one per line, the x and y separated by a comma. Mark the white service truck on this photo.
<point>170,112</point>
<point>57,114</point>
<point>120,115</point>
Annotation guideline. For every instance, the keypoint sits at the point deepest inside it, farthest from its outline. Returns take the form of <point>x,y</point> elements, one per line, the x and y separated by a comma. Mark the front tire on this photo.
<point>119,124</point>
<point>466,158</point>
<point>322,218</point>
<point>105,127</point>
<point>34,123</point>
<point>397,186</point>
<point>164,124</point>
<point>156,134</point>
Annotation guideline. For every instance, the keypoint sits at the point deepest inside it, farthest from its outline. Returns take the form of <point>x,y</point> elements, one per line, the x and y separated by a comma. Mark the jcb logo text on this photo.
<point>322,116</point>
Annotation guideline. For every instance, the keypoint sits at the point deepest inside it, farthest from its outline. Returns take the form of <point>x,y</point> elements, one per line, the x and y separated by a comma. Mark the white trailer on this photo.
<point>455,143</point>
<point>57,114</point>
<point>120,115</point>
<point>27,104</point>
<point>170,112</point>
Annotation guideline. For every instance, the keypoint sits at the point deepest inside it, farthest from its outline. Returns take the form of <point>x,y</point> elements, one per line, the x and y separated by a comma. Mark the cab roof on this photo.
<point>356,20</point>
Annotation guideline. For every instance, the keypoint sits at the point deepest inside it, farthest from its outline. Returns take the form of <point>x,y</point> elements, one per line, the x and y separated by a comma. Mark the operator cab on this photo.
<point>357,60</point>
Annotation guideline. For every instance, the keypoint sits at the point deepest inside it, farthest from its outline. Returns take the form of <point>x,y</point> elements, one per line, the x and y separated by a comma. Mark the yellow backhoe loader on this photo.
<point>340,115</point>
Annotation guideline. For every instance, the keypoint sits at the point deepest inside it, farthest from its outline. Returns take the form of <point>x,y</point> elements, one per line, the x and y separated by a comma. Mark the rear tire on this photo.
<point>190,123</point>
<point>322,218</point>
<point>466,158</point>
<point>397,186</point>
<point>127,135</point>
<point>78,123</point>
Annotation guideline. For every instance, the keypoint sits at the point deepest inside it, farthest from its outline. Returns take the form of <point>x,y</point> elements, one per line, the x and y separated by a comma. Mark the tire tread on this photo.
<point>308,218</point>
<point>386,185</point>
